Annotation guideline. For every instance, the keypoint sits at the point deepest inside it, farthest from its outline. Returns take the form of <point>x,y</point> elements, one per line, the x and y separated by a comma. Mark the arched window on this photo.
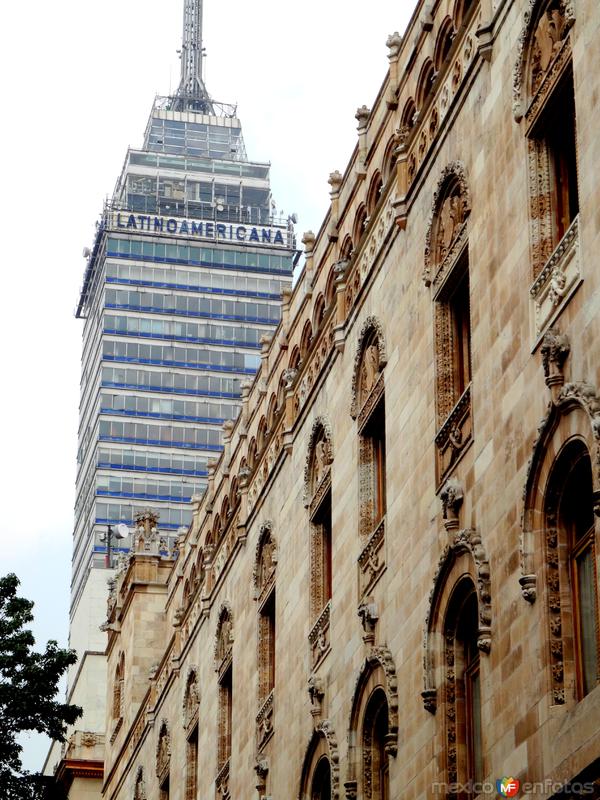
<point>447,268</point>
<point>317,490</point>
<point>408,114</point>
<point>368,407</point>
<point>425,83</point>
<point>458,630</point>
<point>544,97</point>
<point>463,688</point>
<point>360,223</point>
<point>224,667</point>
<point>320,771</point>
<point>163,761</point>
<point>374,192</point>
<point>559,543</point>
<point>373,731</point>
<point>321,782</point>
<point>443,43</point>
<point>264,592</point>
<point>191,705</point>
<point>118,687</point>
<point>571,506</point>
<point>375,756</point>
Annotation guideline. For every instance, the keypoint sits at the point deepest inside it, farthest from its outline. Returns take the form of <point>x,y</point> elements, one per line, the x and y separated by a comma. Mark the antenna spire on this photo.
<point>192,94</point>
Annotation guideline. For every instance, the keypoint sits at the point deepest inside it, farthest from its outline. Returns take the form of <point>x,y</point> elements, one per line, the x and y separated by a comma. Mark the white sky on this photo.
<point>77,81</point>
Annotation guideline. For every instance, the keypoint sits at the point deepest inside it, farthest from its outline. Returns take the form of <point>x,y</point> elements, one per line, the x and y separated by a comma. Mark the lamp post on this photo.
<point>121,532</point>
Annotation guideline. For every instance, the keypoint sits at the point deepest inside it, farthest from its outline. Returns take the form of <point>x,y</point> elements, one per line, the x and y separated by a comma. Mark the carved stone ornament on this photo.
<point>139,792</point>
<point>362,116</point>
<point>224,638</point>
<point>319,455</point>
<point>335,181</point>
<point>364,376</point>
<point>555,350</point>
<point>545,27</point>
<point>289,376</point>
<point>452,499</point>
<point>265,559</point>
<point>316,692</point>
<point>450,208</point>
<point>369,615</point>
<point>465,541</point>
<point>191,700</point>
<point>163,751</point>
<point>393,44</point>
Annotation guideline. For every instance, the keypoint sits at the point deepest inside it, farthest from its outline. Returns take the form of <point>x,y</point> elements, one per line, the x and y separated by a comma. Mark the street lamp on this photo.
<point>121,533</point>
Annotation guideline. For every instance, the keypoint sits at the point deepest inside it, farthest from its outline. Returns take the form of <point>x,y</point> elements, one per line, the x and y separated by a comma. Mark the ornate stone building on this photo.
<point>390,588</point>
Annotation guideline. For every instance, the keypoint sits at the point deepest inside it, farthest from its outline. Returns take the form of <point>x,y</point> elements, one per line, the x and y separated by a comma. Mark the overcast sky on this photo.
<point>78,79</point>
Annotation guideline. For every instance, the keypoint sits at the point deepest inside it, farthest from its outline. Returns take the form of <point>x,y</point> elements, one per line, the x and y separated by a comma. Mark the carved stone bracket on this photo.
<point>316,692</point>
<point>452,499</point>
<point>369,615</point>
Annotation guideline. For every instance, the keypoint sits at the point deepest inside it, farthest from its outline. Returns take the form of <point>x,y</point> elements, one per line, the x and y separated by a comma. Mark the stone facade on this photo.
<point>312,636</point>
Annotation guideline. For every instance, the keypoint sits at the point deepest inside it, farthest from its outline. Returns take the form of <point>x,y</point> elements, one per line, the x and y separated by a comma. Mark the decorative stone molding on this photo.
<point>447,221</point>
<point>372,560</point>
<point>139,792</point>
<point>371,326</point>
<point>191,698</point>
<point>465,541</point>
<point>545,26</point>
<point>264,722</point>
<point>222,782</point>
<point>319,456</point>
<point>224,639</point>
<point>163,752</point>
<point>393,44</point>
<point>455,434</point>
<point>265,561</point>
<point>318,638</point>
<point>562,271</point>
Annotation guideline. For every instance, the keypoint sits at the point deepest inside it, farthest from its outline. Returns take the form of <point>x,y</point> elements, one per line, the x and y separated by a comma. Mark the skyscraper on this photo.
<point>183,279</point>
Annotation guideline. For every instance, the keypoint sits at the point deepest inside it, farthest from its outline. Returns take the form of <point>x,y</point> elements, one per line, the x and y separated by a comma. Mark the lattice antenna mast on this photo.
<point>192,94</point>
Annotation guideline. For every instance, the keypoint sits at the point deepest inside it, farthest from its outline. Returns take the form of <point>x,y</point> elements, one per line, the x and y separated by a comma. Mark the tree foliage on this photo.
<point>28,688</point>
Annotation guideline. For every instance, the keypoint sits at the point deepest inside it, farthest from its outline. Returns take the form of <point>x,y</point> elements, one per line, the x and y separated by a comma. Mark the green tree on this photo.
<point>28,688</point>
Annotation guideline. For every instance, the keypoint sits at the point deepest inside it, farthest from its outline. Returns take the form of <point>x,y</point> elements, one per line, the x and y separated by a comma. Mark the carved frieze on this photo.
<point>372,560</point>
<point>264,722</point>
<point>557,278</point>
<point>318,638</point>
